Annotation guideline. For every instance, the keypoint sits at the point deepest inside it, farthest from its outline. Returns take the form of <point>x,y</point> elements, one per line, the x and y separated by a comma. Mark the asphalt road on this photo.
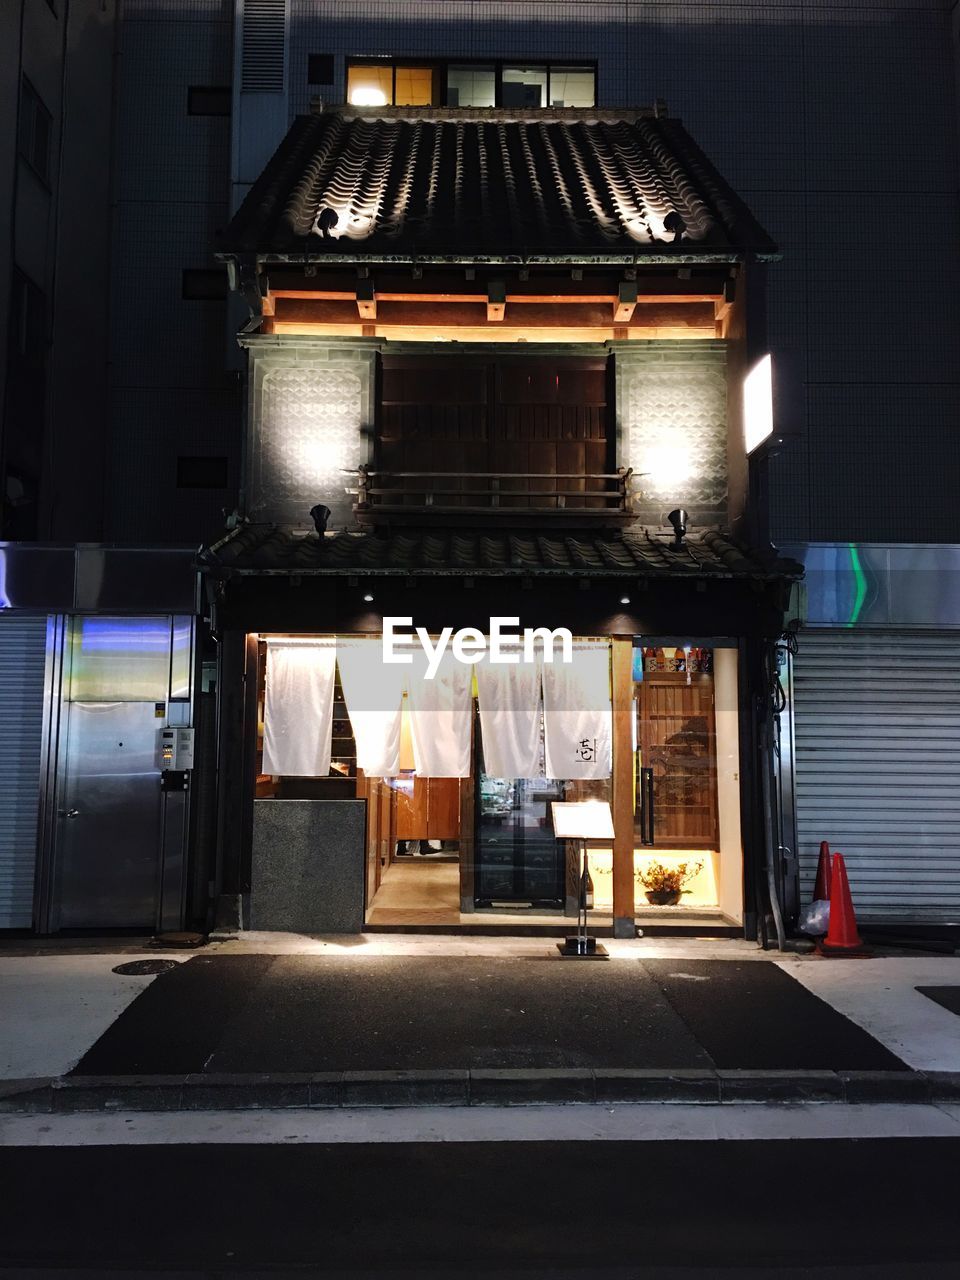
<point>831,1209</point>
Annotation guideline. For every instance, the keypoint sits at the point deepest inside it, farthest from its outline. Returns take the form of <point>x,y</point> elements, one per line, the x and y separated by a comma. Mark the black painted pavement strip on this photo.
<point>419,1207</point>
<point>750,1013</point>
<point>177,1021</point>
<point>303,1015</point>
<point>947,997</point>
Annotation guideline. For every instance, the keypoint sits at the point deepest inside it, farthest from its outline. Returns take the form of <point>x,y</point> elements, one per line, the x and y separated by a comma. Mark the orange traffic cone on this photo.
<point>821,886</point>
<point>842,934</point>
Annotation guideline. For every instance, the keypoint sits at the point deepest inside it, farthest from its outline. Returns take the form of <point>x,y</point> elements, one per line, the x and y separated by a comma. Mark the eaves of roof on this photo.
<point>445,186</point>
<point>271,550</point>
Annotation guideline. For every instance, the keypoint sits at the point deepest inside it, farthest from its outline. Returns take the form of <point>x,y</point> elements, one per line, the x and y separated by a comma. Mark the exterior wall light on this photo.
<point>368,598</point>
<point>624,599</point>
<point>758,404</point>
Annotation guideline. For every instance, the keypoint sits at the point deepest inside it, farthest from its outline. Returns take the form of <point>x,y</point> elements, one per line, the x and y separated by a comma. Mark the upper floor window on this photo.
<point>35,130</point>
<point>471,84</point>
<point>389,84</point>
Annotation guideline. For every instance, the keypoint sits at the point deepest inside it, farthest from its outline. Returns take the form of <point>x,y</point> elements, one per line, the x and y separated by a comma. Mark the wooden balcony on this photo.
<point>571,500</point>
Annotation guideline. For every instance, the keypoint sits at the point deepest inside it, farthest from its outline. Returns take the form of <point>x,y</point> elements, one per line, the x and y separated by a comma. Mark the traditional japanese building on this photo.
<point>495,369</point>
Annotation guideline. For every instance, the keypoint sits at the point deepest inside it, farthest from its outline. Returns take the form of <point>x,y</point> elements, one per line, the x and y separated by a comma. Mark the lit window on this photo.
<point>524,87</point>
<point>572,87</point>
<point>413,87</point>
<point>471,86</point>
<point>370,86</point>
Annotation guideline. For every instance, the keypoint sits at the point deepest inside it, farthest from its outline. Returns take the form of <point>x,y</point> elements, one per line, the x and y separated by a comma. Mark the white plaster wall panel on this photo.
<point>672,428</point>
<point>152,428</point>
<point>188,157</point>
<point>312,422</point>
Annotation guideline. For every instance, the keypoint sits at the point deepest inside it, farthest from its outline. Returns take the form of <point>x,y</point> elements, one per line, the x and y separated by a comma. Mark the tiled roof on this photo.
<point>406,183</point>
<point>269,549</point>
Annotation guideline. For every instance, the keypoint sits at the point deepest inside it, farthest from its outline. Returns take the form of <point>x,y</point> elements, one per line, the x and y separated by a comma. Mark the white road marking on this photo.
<point>880,996</point>
<point>650,1123</point>
<point>52,1009</point>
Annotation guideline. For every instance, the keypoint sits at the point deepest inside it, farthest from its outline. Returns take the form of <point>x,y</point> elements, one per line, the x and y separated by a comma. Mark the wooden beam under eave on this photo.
<point>492,332</point>
<point>646,316</point>
<point>626,302</point>
<point>496,301</point>
<point>366,299</point>
<point>600,285</point>
<point>551,299</point>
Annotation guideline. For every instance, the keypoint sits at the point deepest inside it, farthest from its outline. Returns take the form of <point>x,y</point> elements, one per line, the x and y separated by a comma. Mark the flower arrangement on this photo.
<point>664,885</point>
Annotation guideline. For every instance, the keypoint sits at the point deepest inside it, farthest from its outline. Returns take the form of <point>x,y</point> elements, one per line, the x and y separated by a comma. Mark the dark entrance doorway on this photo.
<point>517,859</point>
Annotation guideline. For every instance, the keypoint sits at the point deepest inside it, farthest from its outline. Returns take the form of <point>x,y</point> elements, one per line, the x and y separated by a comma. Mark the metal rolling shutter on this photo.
<point>877,724</point>
<point>23,643</point>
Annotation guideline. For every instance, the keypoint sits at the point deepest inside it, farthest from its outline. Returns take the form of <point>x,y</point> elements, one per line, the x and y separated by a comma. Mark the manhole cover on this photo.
<point>141,968</point>
<point>188,941</point>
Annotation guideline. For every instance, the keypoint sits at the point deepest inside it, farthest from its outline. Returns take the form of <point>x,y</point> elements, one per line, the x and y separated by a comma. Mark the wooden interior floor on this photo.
<point>417,891</point>
<point>426,891</point>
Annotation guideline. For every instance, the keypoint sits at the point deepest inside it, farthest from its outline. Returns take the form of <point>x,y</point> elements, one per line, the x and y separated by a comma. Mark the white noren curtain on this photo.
<point>373,692</point>
<point>298,708</point>
<point>441,719</point>
<point>577,718</point>
<point>509,696</point>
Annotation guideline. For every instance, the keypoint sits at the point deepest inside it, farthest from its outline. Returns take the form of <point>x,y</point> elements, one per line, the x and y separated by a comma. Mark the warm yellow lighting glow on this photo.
<point>703,887</point>
<point>367,97</point>
<point>668,467</point>
<point>758,404</point>
<point>414,87</point>
<point>370,86</point>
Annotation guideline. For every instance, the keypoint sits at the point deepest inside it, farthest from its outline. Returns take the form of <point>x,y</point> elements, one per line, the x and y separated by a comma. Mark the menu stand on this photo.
<point>583,821</point>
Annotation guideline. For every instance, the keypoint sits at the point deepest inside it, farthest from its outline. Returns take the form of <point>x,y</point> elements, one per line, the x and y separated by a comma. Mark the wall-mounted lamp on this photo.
<point>321,515</point>
<point>678,518</point>
<point>624,599</point>
<point>368,598</point>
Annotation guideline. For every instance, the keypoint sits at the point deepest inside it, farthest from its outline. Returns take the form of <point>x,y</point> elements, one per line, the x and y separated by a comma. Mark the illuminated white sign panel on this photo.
<point>758,404</point>
<point>470,645</point>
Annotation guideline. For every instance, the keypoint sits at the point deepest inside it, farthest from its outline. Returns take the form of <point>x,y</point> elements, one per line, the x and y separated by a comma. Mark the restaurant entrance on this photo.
<point>478,849</point>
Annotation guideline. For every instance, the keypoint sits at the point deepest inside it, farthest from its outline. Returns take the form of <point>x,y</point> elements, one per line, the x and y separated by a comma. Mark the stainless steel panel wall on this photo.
<point>109,816</point>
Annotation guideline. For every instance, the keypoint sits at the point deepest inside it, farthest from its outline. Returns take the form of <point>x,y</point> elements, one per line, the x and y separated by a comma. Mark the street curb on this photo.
<point>479,1088</point>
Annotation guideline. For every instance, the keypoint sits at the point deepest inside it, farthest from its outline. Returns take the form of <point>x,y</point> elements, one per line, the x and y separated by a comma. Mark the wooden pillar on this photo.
<point>623,882</point>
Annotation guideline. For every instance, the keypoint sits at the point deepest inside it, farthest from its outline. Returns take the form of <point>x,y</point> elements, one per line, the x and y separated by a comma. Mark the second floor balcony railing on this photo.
<point>476,497</point>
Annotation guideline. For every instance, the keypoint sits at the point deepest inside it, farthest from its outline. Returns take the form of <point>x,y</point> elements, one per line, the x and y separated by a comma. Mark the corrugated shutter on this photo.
<point>23,642</point>
<point>877,723</point>
<point>263,31</point>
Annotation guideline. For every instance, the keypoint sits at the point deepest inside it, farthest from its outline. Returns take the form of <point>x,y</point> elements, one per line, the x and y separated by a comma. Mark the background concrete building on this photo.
<point>56,114</point>
<point>837,124</point>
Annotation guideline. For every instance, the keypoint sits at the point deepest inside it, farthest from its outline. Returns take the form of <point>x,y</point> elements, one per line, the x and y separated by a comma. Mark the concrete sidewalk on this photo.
<point>279,1021</point>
